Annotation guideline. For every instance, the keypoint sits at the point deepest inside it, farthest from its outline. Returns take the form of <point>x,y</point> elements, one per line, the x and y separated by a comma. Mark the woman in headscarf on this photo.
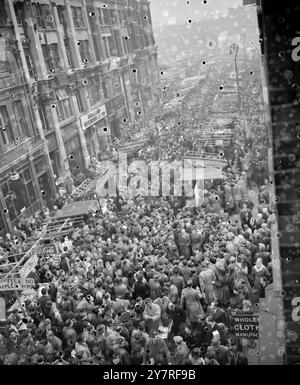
<point>261,277</point>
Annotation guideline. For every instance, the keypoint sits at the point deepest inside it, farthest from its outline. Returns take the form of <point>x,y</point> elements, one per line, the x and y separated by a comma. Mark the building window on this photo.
<point>112,49</point>
<point>68,52</point>
<point>84,49</point>
<point>105,16</point>
<point>94,90</point>
<point>64,107</point>
<point>19,194</point>
<point>113,17</point>
<point>108,88</point>
<point>126,45</point>
<point>19,11</point>
<point>77,16</point>
<point>51,56</point>
<point>61,14</point>
<point>43,120</point>
<point>105,47</point>
<point>73,147</point>
<point>4,67</point>
<point>79,102</point>
<point>119,43</point>
<point>20,119</point>
<point>28,60</point>
<point>100,17</point>
<point>121,18</point>
<point>6,134</point>
<point>42,16</point>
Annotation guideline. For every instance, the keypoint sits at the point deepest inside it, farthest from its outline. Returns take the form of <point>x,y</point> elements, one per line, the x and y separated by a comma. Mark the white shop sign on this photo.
<point>16,284</point>
<point>29,266</point>
<point>93,117</point>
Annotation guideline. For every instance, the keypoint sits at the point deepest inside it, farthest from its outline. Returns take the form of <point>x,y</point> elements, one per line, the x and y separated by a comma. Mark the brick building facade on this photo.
<point>77,70</point>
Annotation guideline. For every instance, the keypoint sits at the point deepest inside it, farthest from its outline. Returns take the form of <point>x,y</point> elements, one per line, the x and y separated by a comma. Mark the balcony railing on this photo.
<point>17,150</point>
<point>11,80</point>
<point>105,30</point>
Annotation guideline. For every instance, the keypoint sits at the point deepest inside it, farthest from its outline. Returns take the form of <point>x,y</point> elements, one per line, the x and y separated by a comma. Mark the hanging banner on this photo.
<point>28,266</point>
<point>2,49</point>
<point>2,309</point>
<point>11,284</point>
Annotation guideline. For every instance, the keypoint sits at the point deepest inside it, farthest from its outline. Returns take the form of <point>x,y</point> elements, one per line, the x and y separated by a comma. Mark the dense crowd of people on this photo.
<point>150,281</point>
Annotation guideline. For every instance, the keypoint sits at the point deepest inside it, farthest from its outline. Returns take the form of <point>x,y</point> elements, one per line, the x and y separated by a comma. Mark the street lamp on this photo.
<point>243,35</point>
<point>97,197</point>
<point>234,48</point>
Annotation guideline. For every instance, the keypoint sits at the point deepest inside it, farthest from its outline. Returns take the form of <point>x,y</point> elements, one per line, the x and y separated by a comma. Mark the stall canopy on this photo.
<point>205,173</point>
<point>76,209</point>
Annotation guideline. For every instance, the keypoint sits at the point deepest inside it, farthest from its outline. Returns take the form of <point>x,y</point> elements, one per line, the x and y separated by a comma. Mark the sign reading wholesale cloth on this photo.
<point>93,117</point>
<point>245,325</point>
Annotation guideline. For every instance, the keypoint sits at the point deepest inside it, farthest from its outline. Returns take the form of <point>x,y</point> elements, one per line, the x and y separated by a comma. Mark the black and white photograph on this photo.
<point>149,185</point>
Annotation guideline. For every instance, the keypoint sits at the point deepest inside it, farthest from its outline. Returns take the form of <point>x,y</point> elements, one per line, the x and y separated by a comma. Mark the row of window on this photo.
<point>64,104</point>
<point>11,134</point>
<point>20,194</point>
<point>113,44</point>
<point>43,17</point>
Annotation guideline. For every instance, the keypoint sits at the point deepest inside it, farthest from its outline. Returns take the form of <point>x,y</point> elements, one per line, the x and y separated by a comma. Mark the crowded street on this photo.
<point>143,280</point>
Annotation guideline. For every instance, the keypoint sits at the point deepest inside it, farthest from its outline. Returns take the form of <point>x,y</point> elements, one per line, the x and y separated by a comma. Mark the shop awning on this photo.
<point>76,209</point>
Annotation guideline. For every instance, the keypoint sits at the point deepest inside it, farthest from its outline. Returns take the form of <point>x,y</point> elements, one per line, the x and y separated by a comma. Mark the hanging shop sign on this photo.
<point>11,284</point>
<point>93,117</point>
<point>28,266</point>
<point>245,325</point>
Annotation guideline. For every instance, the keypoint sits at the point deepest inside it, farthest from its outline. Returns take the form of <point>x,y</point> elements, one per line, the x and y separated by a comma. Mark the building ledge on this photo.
<point>19,152</point>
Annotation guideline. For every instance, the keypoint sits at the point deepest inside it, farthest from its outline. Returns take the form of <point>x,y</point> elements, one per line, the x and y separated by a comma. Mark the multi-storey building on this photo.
<point>84,67</point>
<point>25,167</point>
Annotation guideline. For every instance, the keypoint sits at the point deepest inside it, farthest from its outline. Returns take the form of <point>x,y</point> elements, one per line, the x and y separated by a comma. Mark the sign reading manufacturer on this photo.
<point>93,117</point>
<point>245,325</point>
<point>16,284</point>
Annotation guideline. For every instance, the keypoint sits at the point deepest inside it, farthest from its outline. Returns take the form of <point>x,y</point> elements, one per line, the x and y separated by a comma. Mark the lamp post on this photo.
<point>243,35</point>
<point>97,197</point>
<point>234,48</point>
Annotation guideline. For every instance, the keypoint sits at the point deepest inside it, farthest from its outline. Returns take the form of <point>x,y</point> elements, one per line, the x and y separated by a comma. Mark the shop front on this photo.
<point>115,109</point>
<point>54,154</point>
<point>23,191</point>
<point>73,148</point>
<point>75,155</point>
<point>96,131</point>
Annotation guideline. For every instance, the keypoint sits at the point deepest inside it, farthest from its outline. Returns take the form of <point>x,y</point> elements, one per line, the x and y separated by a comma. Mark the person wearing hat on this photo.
<point>263,254</point>
<point>13,341</point>
<point>138,342</point>
<point>156,350</point>
<point>69,333</point>
<point>54,344</point>
<point>82,348</point>
<point>236,355</point>
<point>152,315</point>
<point>177,280</point>
<point>101,340</point>
<point>191,302</point>
<point>184,242</point>
<point>43,300</point>
<point>181,352</point>
<point>206,279</point>
<point>220,352</point>
<point>155,287</point>
<point>210,358</point>
<point>222,283</point>
<point>185,270</point>
<point>195,358</point>
<point>228,197</point>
